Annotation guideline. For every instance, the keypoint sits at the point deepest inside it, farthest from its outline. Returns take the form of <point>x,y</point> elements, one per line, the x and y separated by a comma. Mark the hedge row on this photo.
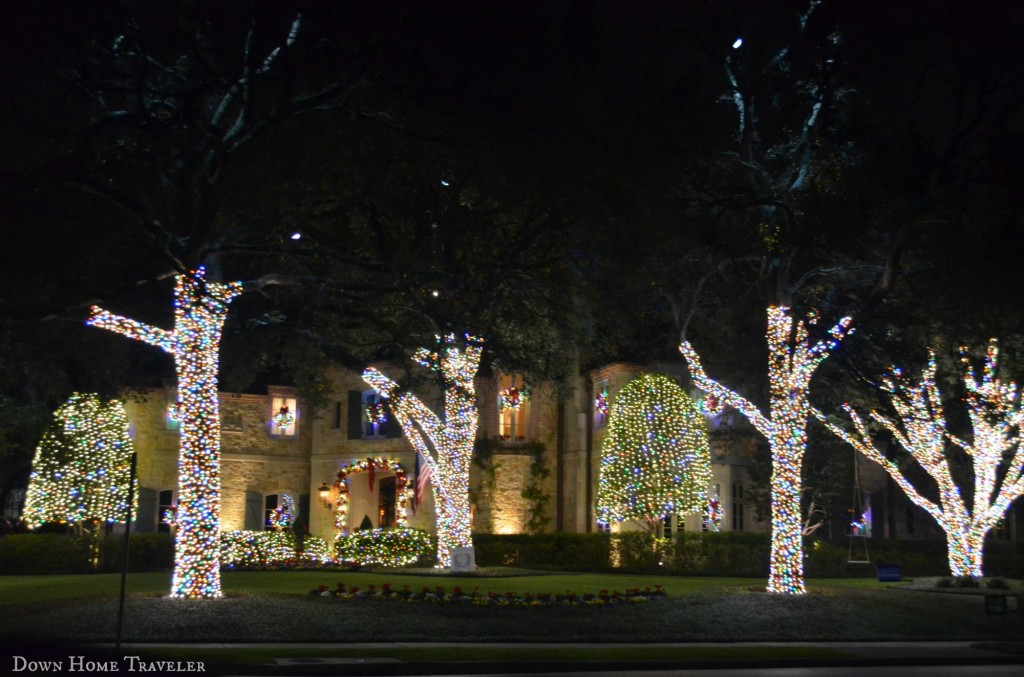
<point>689,554</point>
<point>62,554</point>
<point>724,554</point>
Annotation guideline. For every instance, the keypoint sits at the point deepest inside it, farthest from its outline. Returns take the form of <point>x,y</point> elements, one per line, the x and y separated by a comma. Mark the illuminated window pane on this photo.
<point>513,406</point>
<point>284,416</point>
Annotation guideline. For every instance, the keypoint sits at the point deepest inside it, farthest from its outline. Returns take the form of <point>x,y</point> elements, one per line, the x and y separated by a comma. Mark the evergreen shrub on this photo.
<point>44,554</point>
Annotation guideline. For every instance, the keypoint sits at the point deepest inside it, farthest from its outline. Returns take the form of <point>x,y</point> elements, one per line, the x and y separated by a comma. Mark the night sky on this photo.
<point>570,177</point>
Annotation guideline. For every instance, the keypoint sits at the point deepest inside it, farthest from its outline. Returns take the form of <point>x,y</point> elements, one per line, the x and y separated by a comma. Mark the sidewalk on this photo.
<point>535,658</point>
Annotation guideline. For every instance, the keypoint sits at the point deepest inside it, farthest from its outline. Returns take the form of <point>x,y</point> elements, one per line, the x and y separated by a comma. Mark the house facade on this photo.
<point>348,466</point>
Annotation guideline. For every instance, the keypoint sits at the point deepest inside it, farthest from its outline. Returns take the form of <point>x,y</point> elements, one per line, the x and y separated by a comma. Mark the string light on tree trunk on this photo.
<point>792,361</point>
<point>451,437</point>
<point>996,417</point>
<point>200,308</point>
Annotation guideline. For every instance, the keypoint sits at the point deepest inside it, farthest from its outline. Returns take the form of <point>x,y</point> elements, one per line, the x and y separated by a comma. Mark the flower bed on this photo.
<point>439,595</point>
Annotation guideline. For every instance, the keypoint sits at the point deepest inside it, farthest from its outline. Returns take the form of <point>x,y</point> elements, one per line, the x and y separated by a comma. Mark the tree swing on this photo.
<point>858,528</point>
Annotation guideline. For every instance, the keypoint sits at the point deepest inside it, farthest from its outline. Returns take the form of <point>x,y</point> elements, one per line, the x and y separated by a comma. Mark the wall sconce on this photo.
<point>325,495</point>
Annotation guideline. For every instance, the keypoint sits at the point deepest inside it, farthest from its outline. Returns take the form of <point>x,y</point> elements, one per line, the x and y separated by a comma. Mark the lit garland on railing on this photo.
<point>655,460</point>
<point>792,361</point>
<point>199,313</point>
<point>996,418</point>
<point>403,491</point>
<point>452,438</point>
<point>82,464</point>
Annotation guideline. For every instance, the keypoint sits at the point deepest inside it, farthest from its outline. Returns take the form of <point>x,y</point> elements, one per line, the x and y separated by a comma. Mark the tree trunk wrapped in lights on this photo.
<point>200,310</point>
<point>792,361</point>
<point>452,438</point>
<point>996,418</point>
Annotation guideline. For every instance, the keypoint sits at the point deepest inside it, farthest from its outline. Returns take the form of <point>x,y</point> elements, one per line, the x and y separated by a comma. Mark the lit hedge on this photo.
<point>384,547</point>
<point>243,549</point>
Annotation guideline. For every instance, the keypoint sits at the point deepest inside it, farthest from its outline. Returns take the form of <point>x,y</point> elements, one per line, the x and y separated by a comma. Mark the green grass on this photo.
<point>32,589</point>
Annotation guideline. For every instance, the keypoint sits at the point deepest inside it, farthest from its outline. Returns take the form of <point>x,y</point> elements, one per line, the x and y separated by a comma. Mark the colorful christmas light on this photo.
<point>200,308</point>
<point>284,515</point>
<point>257,549</point>
<point>403,491</point>
<point>792,361</point>
<point>713,513</point>
<point>393,547</point>
<point>81,468</point>
<point>996,418</point>
<point>655,460</point>
<point>376,413</point>
<point>601,403</point>
<point>513,398</point>
<point>452,437</point>
<point>283,418</point>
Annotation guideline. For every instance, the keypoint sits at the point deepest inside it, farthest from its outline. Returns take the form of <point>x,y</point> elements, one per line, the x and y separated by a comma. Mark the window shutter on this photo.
<point>253,511</point>
<point>145,520</point>
<point>355,415</point>
<point>302,514</point>
<point>392,428</point>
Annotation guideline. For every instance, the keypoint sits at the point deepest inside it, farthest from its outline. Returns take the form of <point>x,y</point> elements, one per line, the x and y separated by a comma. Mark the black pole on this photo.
<point>124,563</point>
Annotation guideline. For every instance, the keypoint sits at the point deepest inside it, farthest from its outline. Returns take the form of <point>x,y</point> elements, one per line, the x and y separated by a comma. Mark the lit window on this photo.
<point>278,511</point>
<point>601,404</point>
<point>165,510</point>
<point>513,403</point>
<point>284,416</point>
<point>375,416</point>
<point>737,507</point>
<point>172,414</point>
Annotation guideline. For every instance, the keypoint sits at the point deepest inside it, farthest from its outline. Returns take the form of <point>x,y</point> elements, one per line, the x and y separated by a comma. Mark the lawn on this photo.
<point>48,614</point>
<point>31,590</point>
<point>276,606</point>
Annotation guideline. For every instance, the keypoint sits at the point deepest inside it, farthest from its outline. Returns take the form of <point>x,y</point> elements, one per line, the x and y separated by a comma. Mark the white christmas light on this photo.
<point>200,308</point>
<point>792,361</point>
<point>996,418</point>
<point>452,437</point>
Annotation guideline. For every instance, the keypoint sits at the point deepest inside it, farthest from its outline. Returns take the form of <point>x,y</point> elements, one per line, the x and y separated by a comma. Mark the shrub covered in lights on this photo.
<point>256,549</point>
<point>655,460</point>
<point>81,469</point>
<point>384,547</point>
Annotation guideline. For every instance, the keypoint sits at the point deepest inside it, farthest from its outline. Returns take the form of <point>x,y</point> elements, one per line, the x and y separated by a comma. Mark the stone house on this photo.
<point>536,469</point>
